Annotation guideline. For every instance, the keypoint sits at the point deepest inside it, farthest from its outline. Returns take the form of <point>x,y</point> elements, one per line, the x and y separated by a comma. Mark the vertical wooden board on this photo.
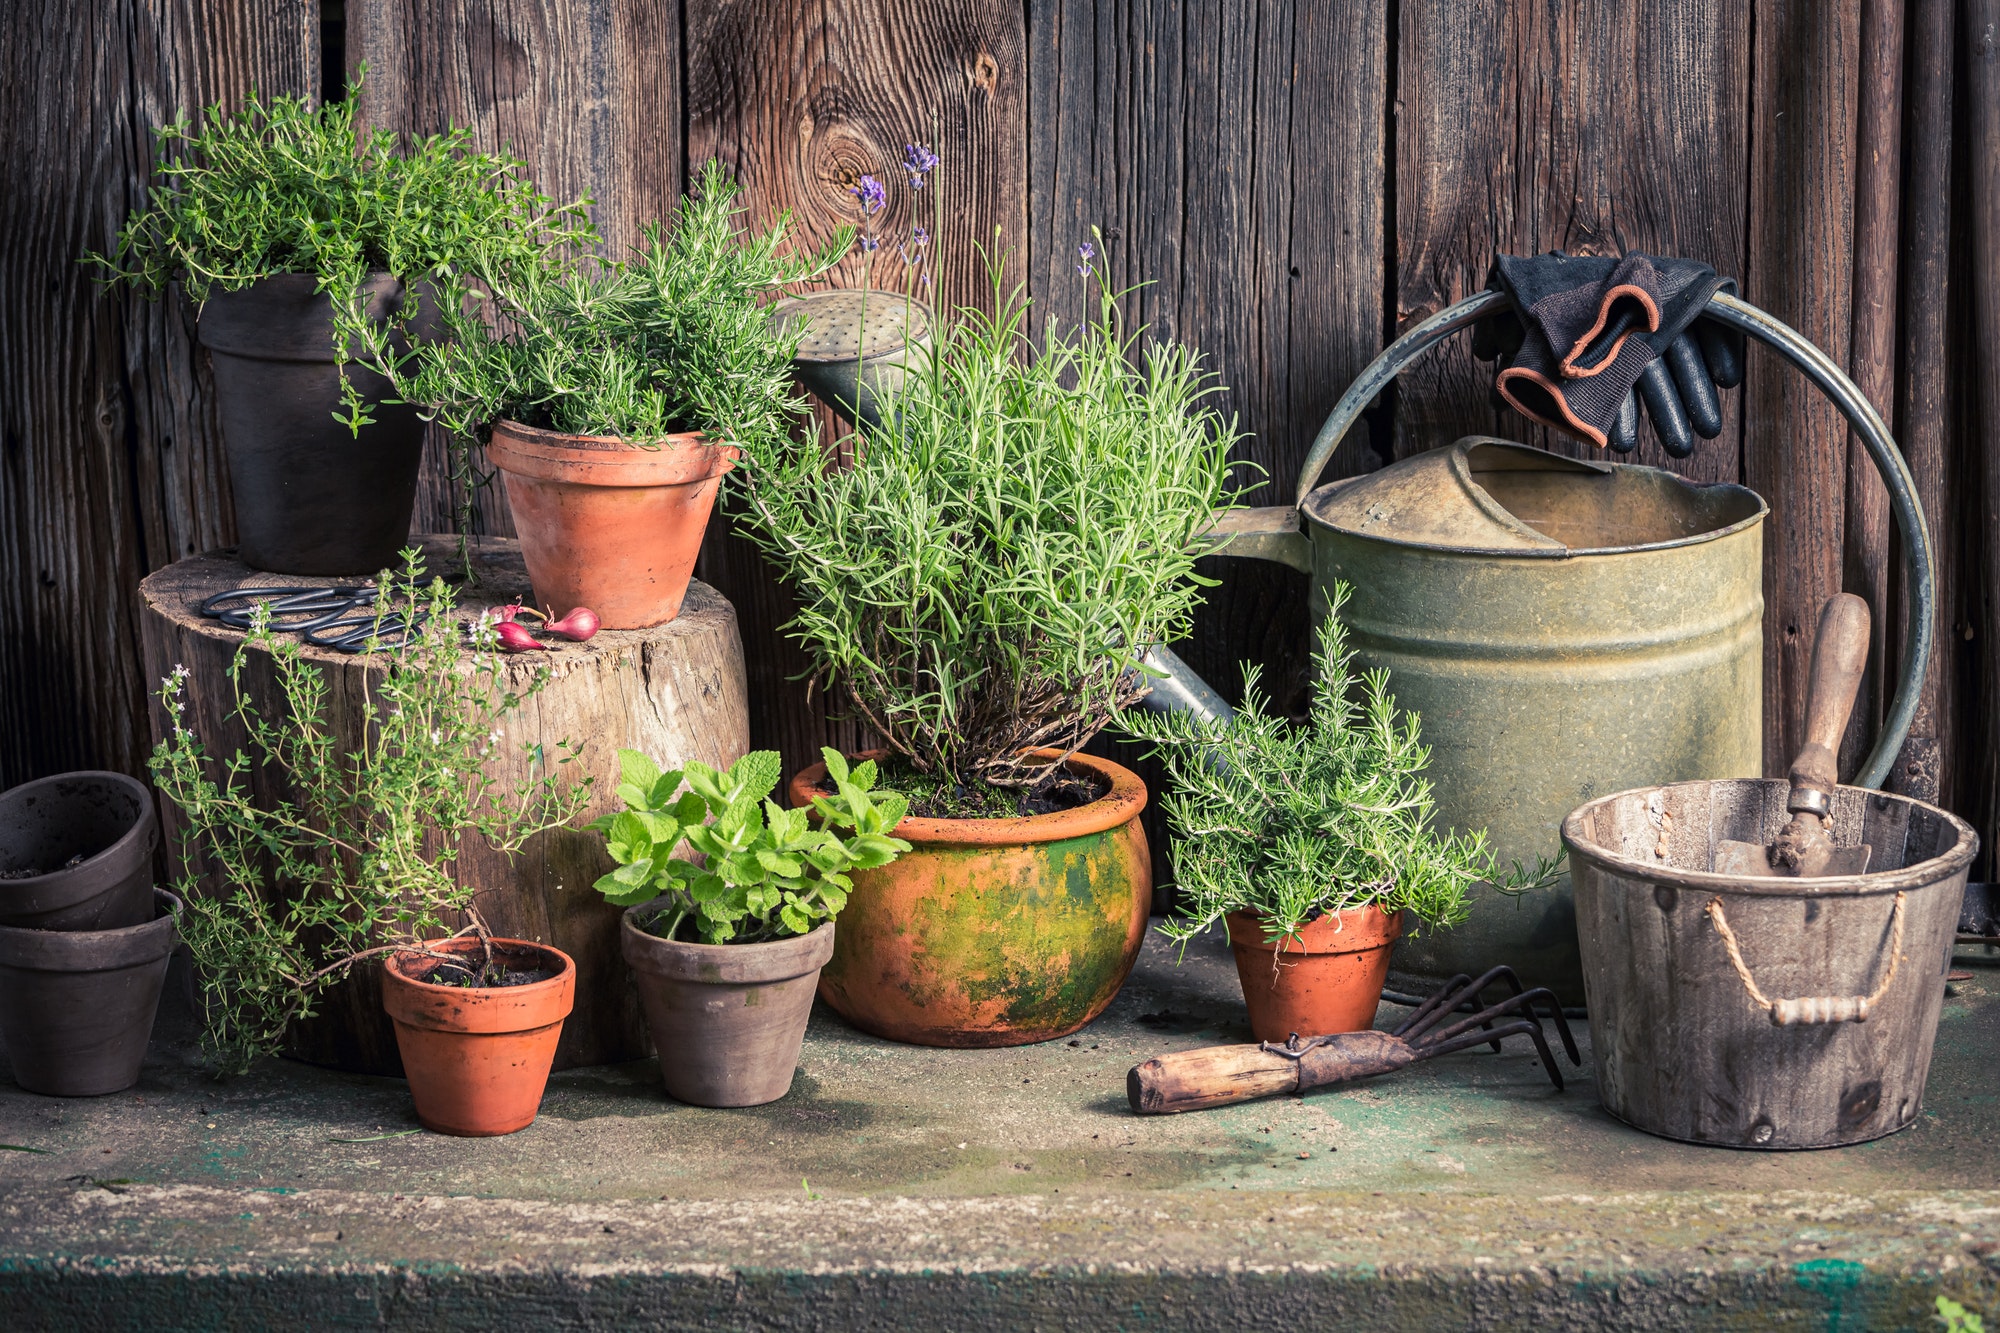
<point>1982,62</point>
<point>1803,106</point>
<point>1924,418</point>
<point>109,455</point>
<point>1231,158</point>
<point>801,100</point>
<point>586,92</point>
<point>1525,127</point>
<point>1872,345</point>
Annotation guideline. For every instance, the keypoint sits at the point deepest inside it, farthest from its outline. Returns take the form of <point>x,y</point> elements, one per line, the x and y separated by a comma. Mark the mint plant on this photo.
<point>766,872</point>
<point>1291,820</point>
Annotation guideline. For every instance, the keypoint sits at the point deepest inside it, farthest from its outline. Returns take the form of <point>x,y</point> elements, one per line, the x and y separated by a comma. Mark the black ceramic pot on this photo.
<point>77,1006</point>
<point>105,818</point>
<point>311,496</point>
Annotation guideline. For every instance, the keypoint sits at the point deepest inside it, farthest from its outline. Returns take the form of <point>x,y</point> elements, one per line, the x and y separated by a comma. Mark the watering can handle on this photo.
<point>1817,367</point>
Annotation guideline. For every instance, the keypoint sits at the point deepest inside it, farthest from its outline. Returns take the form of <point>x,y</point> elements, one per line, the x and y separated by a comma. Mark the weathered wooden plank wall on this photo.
<point>1295,181</point>
<point>109,453</point>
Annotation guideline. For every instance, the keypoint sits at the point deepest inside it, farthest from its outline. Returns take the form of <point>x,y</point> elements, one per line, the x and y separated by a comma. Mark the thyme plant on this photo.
<point>325,855</point>
<point>281,187</point>
<point>1020,526</point>
<point>765,872</point>
<point>675,339</point>
<point>1288,821</point>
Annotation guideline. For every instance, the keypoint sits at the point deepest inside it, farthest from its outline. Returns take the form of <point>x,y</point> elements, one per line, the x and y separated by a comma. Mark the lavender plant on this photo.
<point>352,853</point>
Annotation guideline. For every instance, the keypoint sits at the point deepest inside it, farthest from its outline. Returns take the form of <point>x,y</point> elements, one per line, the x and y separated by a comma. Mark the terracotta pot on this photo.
<point>727,1019</point>
<point>1326,978</point>
<point>106,818</point>
<point>77,1006</point>
<point>606,524</point>
<point>478,1057</point>
<point>995,932</point>
<point>311,496</point>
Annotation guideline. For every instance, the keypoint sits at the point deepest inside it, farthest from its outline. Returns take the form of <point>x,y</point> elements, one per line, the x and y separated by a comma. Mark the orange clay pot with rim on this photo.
<point>1327,977</point>
<point>478,1057</point>
<point>606,523</point>
<point>995,932</point>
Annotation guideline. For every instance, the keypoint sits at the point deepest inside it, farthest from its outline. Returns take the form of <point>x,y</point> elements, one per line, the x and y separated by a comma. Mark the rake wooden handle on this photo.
<point>1217,1075</point>
<point>1840,653</point>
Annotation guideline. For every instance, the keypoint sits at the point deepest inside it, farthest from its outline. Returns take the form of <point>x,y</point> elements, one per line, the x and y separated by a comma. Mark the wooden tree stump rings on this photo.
<point>676,692</point>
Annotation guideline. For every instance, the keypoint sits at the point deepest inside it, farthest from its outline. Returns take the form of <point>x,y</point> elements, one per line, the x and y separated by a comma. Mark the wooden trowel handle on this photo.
<point>1840,652</point>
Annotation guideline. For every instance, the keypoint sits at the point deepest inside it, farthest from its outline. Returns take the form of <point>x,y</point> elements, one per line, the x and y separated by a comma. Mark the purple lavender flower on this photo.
<point>869,243</point>
<point>919,237</point>
<point>919,161</point>
<point>1086,252</point>
<point>871,194</point>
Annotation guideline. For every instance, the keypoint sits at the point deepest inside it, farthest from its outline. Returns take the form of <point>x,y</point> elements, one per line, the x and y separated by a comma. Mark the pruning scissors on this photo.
<point>343,616</point>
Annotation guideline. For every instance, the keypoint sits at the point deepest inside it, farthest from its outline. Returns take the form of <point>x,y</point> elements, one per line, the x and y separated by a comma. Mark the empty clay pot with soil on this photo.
<point>608,524</point>
<point>76,852</point>
<point>77,1006</point>
<point>478,1056</point>
<point>1327,978</point>
<point>727,1019</point>
<point>311,496</point>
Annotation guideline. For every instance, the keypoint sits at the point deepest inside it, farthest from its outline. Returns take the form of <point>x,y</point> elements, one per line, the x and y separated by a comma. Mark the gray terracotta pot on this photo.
<point>106,818</point>
<point>311,496</point>
<point>728,1019</point>
<point>77,1006</point>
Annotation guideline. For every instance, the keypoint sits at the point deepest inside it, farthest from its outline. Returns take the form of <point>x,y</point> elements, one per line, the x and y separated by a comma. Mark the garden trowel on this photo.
<point>1805,847</point>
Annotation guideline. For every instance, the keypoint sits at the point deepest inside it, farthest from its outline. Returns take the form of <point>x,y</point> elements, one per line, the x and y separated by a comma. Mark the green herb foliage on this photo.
<point>1955,1318</point>
<point>1022,525</point>
<point>279,187</point>
<point>677,339</point>
<point>1288,821</point>
<point>327,855</point>
<point>766,872</point>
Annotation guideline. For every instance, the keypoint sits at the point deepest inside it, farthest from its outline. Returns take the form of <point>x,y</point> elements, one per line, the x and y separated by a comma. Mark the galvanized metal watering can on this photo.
<point>1565,629</point>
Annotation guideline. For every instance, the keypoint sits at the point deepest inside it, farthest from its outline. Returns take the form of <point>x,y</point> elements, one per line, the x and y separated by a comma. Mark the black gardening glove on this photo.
<point>1589,336</point>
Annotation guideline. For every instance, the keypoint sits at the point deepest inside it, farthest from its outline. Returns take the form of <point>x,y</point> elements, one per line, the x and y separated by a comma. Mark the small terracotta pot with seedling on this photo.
<point>727,953</point>
<point>1313,841</point>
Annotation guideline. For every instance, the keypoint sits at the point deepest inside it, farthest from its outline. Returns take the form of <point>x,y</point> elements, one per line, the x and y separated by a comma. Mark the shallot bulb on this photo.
<point>514,637</point>
<point>579,624</point>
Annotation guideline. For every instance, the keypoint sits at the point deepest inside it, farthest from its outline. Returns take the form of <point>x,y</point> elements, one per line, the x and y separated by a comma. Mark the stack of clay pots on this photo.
<point>84,935</point>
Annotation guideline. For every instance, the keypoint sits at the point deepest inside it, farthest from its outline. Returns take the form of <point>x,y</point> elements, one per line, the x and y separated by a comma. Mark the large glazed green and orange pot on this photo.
<point>995,932</point>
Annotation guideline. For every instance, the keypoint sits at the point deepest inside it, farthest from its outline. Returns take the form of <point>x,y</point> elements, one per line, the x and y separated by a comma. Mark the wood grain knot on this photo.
<point>985,72</point>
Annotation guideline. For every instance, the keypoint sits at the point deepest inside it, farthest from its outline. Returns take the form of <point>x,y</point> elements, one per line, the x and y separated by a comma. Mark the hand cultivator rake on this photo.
<point>1454,1018</point>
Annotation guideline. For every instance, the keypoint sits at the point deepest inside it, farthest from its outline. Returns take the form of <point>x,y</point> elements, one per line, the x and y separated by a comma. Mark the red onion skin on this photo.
<point>579,624</point>
<point>507,614</point>
<point>514,637</point>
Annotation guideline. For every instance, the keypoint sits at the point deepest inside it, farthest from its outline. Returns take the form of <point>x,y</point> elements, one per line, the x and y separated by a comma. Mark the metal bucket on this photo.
<point>1763,1013</point>
<point>1563,628</point>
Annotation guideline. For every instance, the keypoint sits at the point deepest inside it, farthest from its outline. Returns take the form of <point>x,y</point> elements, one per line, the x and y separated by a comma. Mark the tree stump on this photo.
<point>676,692</point>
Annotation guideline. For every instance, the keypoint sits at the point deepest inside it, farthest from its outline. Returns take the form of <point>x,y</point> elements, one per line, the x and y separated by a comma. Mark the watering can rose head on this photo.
<point>764,872</point>
<point>1014,531</point>
<point>1288,821</point>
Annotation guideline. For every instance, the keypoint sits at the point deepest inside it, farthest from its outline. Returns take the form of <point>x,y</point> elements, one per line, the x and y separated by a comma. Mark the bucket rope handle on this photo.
<point>1817,1008</point>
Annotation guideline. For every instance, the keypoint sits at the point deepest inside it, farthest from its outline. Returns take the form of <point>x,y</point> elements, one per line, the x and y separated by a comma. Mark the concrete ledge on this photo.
<point>899,1188</point>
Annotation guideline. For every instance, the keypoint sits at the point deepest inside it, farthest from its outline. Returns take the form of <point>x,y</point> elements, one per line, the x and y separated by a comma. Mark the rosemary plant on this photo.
<point>675,339</point>
<point>982,578</point>
<point>281,187</point>
<point>1288,821</point>
<point>349,853</point>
